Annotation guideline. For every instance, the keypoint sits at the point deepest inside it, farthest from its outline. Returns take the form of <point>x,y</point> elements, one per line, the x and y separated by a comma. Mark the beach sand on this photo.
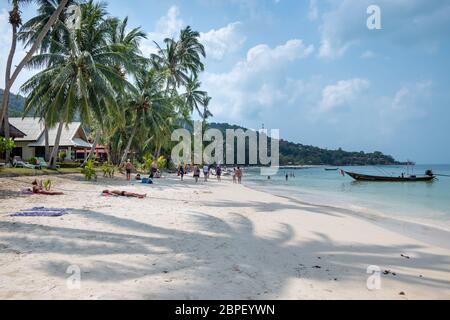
<point>206,241</point>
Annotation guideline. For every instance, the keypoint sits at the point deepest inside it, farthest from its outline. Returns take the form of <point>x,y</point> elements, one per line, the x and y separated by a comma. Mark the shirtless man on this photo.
<point>128,168</point>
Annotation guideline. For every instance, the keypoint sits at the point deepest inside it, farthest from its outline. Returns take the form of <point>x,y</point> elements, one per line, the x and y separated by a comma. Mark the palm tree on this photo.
<point>194,97</point>
<point>31,29</point>
<point>144,105</point>
<point>10,77</point>
<point>29,33</point>
<point>206,114</point>
<point>80,75</point>
<point>191,51</point>
<point>180,58</point>
<point>126,43</point>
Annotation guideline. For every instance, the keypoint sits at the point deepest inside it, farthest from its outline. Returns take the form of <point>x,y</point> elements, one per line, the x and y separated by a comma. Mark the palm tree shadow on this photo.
<point>225,254</point>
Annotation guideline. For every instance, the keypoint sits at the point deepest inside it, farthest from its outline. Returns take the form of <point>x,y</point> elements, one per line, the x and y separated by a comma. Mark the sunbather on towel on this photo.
<point>37,188</point>
<point>117,193</point>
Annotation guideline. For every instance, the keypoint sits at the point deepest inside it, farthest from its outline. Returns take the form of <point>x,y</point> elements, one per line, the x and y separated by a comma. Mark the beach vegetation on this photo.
<point>108,170</point>
<point>89,171</point>
<point>6,144</point>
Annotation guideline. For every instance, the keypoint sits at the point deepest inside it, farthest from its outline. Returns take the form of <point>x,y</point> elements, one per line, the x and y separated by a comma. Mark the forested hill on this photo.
<point>299,154</point>
<point>16,103</point>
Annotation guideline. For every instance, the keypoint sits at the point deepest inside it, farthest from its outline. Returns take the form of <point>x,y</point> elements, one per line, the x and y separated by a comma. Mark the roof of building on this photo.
<point>13,132</point>
<point>72,135</point>
<point>32,128</point>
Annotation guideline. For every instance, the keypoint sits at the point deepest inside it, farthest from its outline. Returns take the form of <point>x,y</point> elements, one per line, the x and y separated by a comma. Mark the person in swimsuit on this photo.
<point>219,173</point>
<point>182,172</point>
<point>117,193</point>
<point>206,172</point>
<point>128,168</point>
<point>239,175</point>
<point>196,173</point>
<point>37,188</point>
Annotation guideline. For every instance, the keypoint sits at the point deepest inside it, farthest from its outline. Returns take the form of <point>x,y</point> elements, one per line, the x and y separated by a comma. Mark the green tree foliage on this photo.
<point>299,154</point>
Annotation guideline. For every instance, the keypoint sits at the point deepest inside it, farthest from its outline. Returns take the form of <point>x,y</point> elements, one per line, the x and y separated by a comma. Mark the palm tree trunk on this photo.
<point>11,79</point>
<point>54,155</point>
<point>6,93</point>
<point>128,147</point>
<point>47,144</point>
<point>98,133</point>
<point>158,151</point>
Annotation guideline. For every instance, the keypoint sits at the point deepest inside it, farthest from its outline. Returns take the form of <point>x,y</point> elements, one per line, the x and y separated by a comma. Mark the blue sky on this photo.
<point>314,70</point>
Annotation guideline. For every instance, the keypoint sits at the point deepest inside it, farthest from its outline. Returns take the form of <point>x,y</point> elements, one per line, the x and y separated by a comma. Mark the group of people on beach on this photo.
<point>129,167</point>
<point>237,174</point>
<point>207,171</point>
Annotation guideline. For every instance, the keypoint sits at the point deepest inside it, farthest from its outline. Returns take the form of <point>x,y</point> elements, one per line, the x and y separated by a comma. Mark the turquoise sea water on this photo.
<point>418,201</point>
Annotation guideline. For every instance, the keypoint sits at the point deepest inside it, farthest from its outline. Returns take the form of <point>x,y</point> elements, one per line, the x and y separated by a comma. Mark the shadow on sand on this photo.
<point>231,251</point>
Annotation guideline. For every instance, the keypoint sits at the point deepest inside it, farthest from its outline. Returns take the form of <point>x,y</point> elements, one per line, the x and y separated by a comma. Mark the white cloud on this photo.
<point>217,42</point>
<point>220,42</point>
<point>255,83</point>
<point>368,54</point>
<point>342,93</point>
<point>167,26</point>
<point>406,98</point>
<point>404,23</point>
<point>408,103</point>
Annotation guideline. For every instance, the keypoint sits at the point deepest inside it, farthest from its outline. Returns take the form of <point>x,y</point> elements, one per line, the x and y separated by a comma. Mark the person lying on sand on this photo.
<point>37,188</point>
<point>117,193</point>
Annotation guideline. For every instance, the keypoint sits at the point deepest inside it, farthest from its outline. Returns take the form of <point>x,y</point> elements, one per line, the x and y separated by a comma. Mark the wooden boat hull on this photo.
<point>363,177</point>
<point>331,169</point>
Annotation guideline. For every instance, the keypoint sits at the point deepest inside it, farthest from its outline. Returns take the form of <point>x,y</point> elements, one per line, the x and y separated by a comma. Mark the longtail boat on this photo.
<point>429,176</point>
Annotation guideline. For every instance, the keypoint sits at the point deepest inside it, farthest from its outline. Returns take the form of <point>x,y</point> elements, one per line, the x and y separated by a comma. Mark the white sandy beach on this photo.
<point>213,241</point>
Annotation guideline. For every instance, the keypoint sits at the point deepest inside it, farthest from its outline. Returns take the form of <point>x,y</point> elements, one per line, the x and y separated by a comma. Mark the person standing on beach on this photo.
<point>206,172</point>
<point>234,175</point>
<point>219,173</point>
<point>196,173</point>
<point>128,168</point>
<point>182,172</point>
<point>239,175</point>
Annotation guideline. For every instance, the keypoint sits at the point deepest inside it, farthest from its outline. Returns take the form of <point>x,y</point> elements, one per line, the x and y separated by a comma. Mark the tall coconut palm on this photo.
<point>30,31</point>
<point>80,75</point>
<point>178,59</point>
<point>194,97</point>
<point>206,114</point>
<point>10,77</point>
<point>15,19</point>
<point>45,10</point>
<point>144,105</point>
<point>125,42</point>
<point>191,51</point>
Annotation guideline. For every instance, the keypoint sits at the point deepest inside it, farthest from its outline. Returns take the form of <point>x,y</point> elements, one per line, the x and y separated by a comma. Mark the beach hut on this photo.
<point>32,144</point>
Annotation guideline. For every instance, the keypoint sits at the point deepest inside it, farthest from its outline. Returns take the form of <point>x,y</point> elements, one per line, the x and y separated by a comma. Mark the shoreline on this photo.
<point>206,241</point>
<point>429,230</point>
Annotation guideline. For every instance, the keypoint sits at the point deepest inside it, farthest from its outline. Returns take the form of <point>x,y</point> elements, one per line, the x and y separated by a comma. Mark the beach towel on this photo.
<point>147,181</point>
<point>41,212</point>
